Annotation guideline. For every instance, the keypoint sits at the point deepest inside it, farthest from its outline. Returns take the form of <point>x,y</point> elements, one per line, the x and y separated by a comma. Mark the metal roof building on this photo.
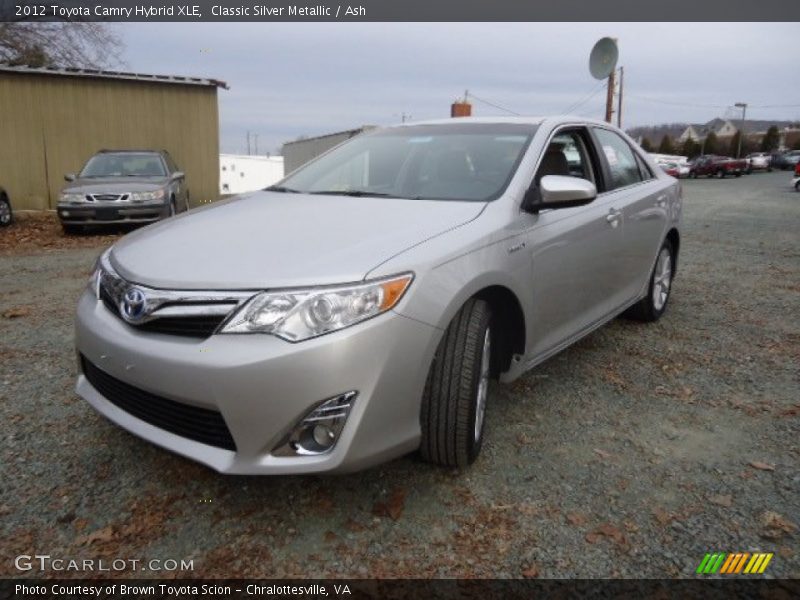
<point>299,152</point>
<point>53,120</point>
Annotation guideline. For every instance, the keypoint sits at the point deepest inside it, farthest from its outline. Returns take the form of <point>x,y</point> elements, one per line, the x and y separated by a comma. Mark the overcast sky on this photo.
<point>293,79</point>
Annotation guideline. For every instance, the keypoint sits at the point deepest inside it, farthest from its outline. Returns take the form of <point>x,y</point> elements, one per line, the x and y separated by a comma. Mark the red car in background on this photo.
<point>717,166</point>
<point>671,169</point>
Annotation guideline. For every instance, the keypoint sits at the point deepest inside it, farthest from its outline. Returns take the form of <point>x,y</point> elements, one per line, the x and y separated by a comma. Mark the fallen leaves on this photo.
<point>17,312</point>
<point>393,507</point>
<point>721,500</point>
<point>576,518</point>
<point>761,466</point>
<point>531,572</point>
<point>776,526</point>
<point>106,534</point>
<point>608,531</point>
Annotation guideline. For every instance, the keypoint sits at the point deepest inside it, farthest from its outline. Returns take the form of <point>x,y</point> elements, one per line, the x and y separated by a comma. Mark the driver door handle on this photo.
<point>613,217</point>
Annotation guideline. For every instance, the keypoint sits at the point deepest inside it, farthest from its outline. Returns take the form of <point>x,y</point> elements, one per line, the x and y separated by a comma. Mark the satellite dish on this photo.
<point>603,58</point>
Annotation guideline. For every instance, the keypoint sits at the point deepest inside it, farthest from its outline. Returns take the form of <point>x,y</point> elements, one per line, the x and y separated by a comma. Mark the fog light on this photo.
<point>324,436</point>
<point>318,432</point>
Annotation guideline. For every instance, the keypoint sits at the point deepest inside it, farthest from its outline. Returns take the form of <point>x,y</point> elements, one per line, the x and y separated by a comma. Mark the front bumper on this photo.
<point>99,213</point>
<point>263,386</point>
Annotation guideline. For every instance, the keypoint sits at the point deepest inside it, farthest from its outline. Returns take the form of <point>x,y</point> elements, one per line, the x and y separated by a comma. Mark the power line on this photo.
<point>586,99</point>
<point>493,105</point>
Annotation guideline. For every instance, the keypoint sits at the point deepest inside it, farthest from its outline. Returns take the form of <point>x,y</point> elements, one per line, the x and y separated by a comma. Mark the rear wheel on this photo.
<point>651,307</point>
<point>6,216</point>
<point>721,174</point>
<point>454,400</point>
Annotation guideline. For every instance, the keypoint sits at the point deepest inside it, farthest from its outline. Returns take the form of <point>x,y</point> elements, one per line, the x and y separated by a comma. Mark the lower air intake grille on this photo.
<point>192,422</point>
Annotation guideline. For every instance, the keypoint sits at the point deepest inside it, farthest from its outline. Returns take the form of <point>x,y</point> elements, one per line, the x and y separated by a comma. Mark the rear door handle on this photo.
<point>613,216</point>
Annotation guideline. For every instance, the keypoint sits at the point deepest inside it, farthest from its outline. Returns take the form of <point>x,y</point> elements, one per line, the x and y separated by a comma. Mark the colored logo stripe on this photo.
<point>734,563</point>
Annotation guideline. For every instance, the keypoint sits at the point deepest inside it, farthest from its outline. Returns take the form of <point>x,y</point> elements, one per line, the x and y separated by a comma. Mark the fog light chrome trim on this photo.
<point>320,429</point>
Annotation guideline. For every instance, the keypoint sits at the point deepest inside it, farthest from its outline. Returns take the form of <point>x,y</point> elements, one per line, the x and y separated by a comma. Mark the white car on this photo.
<point>758,161</point>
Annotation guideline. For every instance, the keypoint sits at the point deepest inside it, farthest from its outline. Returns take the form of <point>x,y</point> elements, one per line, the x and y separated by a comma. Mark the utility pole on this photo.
<point>248,143</point>
<point>743,106</point>
<point>610,96</point>
<point>619,103</point>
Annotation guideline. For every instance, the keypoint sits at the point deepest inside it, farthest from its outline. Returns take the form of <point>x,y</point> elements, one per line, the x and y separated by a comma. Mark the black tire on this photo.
<point>647,309</point>
<point>72,229</point>
<point>693,174</point>
<point>738,174</point>
<point>721,174</point>
<point>450,400</point>
<point>6,214</point>
<point>173,207</point>
<point>797,186</point>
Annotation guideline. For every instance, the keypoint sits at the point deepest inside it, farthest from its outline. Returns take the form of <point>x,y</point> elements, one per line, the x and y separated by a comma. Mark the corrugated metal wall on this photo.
<point>299,152</point>
<point>51,124</point>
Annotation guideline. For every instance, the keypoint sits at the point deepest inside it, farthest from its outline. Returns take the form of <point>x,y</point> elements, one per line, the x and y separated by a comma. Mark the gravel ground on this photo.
<point>631,454</point>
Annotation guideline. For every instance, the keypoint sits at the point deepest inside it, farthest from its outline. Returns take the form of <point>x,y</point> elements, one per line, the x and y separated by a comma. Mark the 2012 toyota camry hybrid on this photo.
<point>356,311</point>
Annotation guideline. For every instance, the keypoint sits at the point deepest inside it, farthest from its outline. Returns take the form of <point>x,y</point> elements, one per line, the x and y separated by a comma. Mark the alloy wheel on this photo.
<point>5,213</point>
<point>483,384</point>
<point>662,278</point>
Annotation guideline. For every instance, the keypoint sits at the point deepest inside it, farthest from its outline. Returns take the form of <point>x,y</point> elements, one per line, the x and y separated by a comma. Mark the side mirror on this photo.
<point>69,177</point>
<point>559,191</point>
<point>178,175</point>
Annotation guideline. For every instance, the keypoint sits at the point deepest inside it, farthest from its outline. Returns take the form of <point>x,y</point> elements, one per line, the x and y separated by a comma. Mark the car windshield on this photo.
<point>454,161</point>
<point>124,164</point>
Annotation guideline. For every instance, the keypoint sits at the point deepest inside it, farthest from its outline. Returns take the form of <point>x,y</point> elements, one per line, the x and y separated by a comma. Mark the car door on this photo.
<point>574,272</point>
<point>643,200</point>
<point>177,184</point>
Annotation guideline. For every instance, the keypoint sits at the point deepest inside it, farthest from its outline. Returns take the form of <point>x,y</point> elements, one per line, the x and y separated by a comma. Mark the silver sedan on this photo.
<point>357,310</point>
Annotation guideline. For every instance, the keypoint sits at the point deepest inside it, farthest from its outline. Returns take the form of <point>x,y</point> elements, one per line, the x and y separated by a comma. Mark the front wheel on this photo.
<point>651,307</point>
<point>454,400</point>
<point>6,215</point>
<point>721,174</point>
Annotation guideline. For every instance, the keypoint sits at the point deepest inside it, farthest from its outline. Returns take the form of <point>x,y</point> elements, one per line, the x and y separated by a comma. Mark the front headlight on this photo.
<point>97,272</point>
<point>297,315</point>
<point>146,196</point>
<point>70,197</point>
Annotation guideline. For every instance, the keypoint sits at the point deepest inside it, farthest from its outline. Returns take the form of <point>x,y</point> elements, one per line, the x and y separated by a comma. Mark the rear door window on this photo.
<point>621,160</point>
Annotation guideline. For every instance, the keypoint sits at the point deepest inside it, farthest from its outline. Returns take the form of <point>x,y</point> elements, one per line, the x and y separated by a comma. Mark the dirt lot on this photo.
<point>631,454</point>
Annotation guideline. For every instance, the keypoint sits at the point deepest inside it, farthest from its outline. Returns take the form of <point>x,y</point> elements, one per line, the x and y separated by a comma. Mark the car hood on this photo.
<point>277,240</point>
<point>115,185</point>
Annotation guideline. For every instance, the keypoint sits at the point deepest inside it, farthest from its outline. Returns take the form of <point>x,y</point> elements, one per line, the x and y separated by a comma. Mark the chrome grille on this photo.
<point>106,197</point>
<point>187,313</point>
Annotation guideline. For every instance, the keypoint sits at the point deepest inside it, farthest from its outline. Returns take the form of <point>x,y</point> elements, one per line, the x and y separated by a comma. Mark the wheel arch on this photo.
<point>509,321</point>
<point>674,238</point>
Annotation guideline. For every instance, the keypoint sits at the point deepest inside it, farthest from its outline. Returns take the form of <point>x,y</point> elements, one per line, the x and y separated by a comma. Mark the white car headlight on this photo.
<point>70,197</point>
<point>146,196</point>
<point>297,315</point>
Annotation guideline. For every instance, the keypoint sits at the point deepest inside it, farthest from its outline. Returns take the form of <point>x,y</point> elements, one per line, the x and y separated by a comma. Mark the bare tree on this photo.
<point>88,45</point>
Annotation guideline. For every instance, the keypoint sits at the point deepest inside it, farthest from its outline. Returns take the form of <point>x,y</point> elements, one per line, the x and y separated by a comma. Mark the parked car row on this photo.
<point>786,160</point>
<point>123,186</point>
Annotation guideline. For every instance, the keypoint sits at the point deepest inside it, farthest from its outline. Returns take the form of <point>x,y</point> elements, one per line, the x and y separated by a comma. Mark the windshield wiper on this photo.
<point>355,193</point>
<point>281,188</point>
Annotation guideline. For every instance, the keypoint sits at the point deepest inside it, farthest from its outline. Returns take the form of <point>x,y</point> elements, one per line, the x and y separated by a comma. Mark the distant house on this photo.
<point>690,133</point>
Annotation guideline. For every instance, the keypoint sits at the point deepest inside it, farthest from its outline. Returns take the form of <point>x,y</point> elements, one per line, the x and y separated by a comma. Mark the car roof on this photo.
<point>533,120</point>
<point>143,151</point>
